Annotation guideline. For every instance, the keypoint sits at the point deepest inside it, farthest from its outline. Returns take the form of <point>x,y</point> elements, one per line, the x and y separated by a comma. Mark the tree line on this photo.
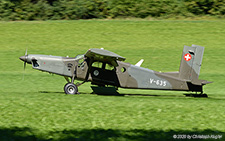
<point>89,9</point>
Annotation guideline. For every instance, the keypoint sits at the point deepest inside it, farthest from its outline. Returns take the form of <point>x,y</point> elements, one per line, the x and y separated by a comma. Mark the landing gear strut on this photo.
<point>70,87</point>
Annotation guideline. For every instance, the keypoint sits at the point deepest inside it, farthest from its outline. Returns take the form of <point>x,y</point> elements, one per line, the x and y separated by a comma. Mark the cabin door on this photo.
<point>104,74</point>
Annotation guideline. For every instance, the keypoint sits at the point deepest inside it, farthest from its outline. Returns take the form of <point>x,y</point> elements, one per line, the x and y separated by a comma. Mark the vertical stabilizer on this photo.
<point>191,62</point>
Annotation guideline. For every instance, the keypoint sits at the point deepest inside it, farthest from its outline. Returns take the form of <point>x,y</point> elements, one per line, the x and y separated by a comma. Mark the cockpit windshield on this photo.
<point>80,59</point>
<point>79,56</point>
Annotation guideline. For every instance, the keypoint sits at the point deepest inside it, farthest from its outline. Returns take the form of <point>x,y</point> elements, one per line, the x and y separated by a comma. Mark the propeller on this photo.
<point>24,58</point>
<point>25,61</point>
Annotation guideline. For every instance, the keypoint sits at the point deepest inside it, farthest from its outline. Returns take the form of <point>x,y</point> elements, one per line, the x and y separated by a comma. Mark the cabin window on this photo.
<point>81,63</point>
<point>109,67</point>
<point>97,64</point>
<point>80,59</point>
<point>123,69</point>
<point>102,65</point>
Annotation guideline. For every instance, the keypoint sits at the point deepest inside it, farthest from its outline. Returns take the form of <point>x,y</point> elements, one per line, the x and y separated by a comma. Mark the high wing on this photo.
<point>102,55</point>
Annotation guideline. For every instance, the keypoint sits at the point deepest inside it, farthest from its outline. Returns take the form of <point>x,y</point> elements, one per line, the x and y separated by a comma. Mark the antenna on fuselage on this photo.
<point>139,63</point>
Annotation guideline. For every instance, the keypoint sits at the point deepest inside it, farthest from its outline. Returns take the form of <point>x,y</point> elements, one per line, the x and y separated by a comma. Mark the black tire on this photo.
<point>204,95</point>
<point>70,88</point>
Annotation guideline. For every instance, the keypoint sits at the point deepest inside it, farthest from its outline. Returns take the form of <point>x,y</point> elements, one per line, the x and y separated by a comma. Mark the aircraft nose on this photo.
<point>23,58</point>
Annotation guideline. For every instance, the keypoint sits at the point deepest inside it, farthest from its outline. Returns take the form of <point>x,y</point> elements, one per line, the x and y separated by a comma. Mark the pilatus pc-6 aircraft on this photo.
<point>104,68</point>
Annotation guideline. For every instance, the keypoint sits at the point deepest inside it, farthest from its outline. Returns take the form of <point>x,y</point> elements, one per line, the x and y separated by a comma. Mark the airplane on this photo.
<point>107,70</point>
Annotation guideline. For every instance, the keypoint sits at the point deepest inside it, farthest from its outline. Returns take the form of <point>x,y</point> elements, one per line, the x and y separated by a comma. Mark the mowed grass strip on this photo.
<point>37,108</point>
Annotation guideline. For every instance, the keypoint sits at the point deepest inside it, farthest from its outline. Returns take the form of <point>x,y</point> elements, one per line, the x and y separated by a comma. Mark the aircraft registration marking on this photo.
<point>157,82</point>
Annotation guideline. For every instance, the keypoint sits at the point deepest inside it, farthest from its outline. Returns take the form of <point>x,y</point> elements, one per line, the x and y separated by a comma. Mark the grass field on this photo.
<point>37,109</point>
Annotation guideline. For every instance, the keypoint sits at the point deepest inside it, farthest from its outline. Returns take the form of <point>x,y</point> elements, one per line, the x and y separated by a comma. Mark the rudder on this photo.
<point>191,62</point>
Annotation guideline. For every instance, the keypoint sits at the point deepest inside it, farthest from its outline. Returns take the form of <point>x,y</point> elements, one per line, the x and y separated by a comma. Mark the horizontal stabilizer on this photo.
<point>139,63</point>
<point>200,82</point>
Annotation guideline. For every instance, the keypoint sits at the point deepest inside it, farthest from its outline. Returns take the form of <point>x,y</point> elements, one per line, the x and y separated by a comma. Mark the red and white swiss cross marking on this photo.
<point>187,57</point>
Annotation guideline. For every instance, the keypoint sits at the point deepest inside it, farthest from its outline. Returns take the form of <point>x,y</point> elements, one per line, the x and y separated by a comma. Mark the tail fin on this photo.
<point>191,62</point>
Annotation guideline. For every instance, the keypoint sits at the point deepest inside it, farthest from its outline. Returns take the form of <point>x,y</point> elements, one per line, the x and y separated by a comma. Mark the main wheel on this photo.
<point>70,88</point>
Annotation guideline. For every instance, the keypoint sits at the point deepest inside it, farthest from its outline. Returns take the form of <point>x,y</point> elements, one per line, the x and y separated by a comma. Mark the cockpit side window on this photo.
<point>97,64</point>
<point>104,66</point>
<point>109,67</point>
<point>80,58</point>
<point>81,62</point>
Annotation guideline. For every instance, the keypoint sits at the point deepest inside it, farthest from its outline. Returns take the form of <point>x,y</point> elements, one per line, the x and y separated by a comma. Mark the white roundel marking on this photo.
<point>187,57</point>
<point>96,72</point>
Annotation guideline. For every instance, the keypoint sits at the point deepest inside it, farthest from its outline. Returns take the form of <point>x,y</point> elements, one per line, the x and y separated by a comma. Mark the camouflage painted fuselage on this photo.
<point>135,77</point>
<point>111,70</point>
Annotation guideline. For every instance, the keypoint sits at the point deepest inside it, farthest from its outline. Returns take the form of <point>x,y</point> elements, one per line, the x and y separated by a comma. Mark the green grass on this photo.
<point>37,109</point>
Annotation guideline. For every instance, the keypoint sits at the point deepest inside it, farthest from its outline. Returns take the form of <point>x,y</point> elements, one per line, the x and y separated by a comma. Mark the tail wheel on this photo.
<point>70,88</point>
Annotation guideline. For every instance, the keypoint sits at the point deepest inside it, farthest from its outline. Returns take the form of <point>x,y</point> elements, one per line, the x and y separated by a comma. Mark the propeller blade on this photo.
<point>23,75</point>
<point>24,65</point>
<point>26,52</point>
